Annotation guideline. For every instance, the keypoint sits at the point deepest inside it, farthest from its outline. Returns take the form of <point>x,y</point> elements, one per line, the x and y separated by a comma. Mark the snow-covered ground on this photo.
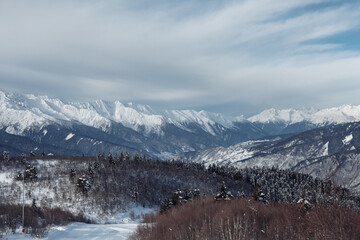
<point>5,178</point>
<point>117,227</point>
<point>83,231</point>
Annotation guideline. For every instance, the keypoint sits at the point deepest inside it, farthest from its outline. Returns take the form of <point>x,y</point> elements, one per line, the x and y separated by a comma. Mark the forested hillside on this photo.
<point>103,185</point>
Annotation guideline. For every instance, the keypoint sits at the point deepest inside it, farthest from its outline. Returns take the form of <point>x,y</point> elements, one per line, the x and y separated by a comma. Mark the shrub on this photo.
<point>249,219</point>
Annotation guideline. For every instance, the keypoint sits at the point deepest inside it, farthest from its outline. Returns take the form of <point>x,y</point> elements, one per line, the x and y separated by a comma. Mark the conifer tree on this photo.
<point>223,194</point>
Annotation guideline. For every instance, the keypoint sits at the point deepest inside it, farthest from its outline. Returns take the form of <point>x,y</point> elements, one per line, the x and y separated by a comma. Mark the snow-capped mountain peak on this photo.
<point>289,116</point>
<point>21,112</point>
<point>24,111</point>
<point>335,115</point>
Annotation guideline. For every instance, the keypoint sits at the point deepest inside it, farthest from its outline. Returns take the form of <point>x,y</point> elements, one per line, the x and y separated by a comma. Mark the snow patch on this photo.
<point>11,130</point>
<point>347,139</point>
<point>83,231</point>
<point>47,163</point>
<point>166,155</point>
<point>326,149</point>
<point>5,178</point>
<point>69,136</point>
<point>79,140</point>
<point>225,156</point>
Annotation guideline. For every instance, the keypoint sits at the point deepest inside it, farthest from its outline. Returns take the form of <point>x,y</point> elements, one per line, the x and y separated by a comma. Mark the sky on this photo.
<point>232,57</point>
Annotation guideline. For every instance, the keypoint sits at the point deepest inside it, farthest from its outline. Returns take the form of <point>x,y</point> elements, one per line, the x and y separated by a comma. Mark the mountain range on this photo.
<point>39,123</point>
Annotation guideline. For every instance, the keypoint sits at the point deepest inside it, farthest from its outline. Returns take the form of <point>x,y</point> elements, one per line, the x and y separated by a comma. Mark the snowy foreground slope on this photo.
<point>117,185</point>
<point>83,231</point>
<point>53,188</point>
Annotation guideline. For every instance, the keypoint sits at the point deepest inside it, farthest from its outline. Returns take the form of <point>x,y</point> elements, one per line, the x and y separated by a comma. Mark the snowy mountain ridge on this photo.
<point>335,115</point>
<point>20,112</point>
<point>40,122</point>
<point>30,123</point>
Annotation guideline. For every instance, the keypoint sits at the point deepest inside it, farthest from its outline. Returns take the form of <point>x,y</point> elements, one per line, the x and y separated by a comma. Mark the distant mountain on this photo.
<point>21,112</point>
<point>328,152</point>
<point>276,122</point>
<point>39,123</point>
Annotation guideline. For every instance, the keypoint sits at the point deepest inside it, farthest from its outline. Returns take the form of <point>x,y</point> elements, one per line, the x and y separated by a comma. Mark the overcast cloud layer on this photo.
<point>235,57</point>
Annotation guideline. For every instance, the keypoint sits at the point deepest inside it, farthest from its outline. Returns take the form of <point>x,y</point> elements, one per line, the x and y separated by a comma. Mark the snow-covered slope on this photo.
<point>21,112</point>
<point>329,152</point>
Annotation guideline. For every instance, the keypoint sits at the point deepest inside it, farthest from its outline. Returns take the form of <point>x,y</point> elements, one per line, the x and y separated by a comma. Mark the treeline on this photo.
<point>109,182</point>
<point>5,157</point>
<point>115,180</point>
<point>152,181</point>
<point>245,218</point>
<point>288,186</point>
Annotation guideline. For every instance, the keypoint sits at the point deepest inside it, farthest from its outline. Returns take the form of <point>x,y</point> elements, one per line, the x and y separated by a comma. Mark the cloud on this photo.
<point>187,54</point>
